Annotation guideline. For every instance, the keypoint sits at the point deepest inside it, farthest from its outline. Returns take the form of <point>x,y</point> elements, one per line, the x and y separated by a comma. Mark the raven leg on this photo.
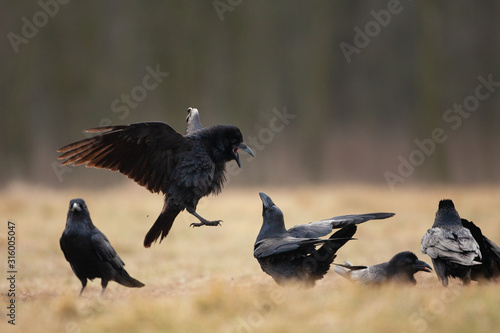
<point>84,284</point>
<point>192,211</point>
<point>104,284</point>
<point>440,269</point>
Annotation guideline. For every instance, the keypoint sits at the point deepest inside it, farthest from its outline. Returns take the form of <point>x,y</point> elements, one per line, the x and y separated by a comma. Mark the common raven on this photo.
<point>490,252</point>
<point>291,255</point>
<point>452,248</point>
<point>89,252</point>
<point>399,269</point>
<point>184,168</point>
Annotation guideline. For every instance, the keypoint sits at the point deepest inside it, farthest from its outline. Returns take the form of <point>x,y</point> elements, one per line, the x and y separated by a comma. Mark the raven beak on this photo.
<point>243,147</point>
<point>422,266</point>
<point>76,207</point>
<point>266,201</point>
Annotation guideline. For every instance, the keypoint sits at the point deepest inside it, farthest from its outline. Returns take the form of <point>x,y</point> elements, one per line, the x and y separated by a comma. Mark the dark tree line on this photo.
<point>68,66</point>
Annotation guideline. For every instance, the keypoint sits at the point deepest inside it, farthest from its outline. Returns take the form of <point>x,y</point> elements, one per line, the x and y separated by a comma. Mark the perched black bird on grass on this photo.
<point>89,252</point>
<point>452,248</point>
<point>291,255</point>
<point>489,269</point>
<point>184,168</point>
<point>399,269</point>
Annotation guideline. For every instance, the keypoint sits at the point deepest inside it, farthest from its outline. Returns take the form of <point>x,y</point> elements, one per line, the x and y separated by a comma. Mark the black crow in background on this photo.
<point>184,168</point>
<point>89,252</point>
<point>399,269</point>
<point>490,252</point>
<point>291,255</point>
<point>452,248</point>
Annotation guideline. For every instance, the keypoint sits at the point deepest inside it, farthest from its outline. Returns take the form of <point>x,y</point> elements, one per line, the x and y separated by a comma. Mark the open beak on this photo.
<point>243,147</point>
<point>266,201</point>
<point>422,266</point>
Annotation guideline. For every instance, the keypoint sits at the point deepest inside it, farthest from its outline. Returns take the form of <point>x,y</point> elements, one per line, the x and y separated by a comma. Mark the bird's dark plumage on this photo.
<point>89,252</point>
<point>400,269</point>
<point>184,168</point>
<point>489,269</point>
<point>452,248</point>
<point>292,255</point>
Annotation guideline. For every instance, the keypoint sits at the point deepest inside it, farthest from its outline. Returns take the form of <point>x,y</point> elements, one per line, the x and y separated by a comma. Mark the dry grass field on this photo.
<point>206,279</point>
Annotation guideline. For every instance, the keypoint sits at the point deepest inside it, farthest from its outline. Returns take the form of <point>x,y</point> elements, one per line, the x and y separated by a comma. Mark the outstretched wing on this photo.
<point>456,245</point>
<point>274,246</point>
<point>145,152</point>
<point>105,251</point>
<point>324,227</point>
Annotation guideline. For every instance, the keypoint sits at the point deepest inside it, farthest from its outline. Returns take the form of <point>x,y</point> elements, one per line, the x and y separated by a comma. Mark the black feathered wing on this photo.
<point>274,246</point>
<point>324,227</point>
<point>145,152</point>
<point>105,251</point>
<point>490,252</point>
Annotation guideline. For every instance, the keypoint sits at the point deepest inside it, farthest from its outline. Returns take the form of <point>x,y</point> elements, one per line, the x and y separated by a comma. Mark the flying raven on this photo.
<point>184,168</point>
<point>452,248</point>
<point>399,269</point>
<point>291,255</point>
<point>89,252</point>
<point>490,252</point>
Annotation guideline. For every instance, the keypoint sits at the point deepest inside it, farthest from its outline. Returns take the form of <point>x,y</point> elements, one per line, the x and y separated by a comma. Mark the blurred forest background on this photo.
<point>66,66</point>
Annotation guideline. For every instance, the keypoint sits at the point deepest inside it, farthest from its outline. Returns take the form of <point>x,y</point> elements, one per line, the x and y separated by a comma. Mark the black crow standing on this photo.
<point>490,252</point>
<point>89,252</point>
<point>291,255</point>
<point>184,168</point>
<point>399,269</point>
<point>452,248</point>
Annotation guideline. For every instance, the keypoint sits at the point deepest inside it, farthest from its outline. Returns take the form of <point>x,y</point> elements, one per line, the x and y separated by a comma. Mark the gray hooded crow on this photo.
<point>292,255</point>
<point>193,121</point>
<point>452,248</point>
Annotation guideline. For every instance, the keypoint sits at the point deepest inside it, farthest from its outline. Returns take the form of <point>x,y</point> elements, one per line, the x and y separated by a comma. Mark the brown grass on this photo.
<point>206,279</point>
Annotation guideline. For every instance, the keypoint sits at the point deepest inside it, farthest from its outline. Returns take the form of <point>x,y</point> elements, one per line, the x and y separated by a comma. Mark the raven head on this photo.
<point>406,264</point>
<point>273,224</point>
<point>77,205</point>
<point>78,214</point>
<point>228,141</point>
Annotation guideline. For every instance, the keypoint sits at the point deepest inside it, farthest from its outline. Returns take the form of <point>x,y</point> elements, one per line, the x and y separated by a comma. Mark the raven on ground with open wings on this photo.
<point>291,255</point>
